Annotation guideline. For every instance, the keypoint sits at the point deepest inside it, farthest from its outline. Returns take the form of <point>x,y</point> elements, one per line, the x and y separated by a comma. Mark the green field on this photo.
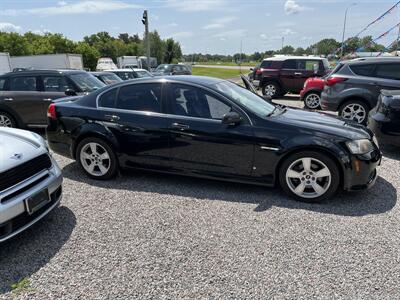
<point>219,73</point>
<point>218,63</point>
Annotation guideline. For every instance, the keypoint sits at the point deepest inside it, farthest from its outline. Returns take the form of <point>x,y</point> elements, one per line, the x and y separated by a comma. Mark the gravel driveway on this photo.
<point>155,236</point>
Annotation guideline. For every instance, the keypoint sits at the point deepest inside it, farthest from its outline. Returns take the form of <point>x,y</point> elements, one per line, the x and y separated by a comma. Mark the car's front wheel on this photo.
<point>312,100</point>
<point>97,158</point>
<point>355,110</point>
<point>6,120</point>
<point>309,176</point>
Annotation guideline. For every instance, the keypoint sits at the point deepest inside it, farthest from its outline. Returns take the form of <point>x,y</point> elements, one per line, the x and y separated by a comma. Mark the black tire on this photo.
<point>307,100</point>
<point>345,106</point>
<point>10,118</point>
<point>331,188</point>
<point>112,161</point>
<point>269,86</point>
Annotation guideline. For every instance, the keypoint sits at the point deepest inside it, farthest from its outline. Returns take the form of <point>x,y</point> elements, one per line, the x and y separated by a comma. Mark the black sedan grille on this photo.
<point>24,171</point>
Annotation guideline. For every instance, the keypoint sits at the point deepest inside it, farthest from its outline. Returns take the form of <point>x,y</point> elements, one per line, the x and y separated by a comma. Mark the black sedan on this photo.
<point>212,128</point>
<point>384,119</point>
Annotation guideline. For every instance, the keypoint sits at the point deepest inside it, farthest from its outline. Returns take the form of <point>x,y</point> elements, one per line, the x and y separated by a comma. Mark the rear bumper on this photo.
<point>329,103</point>
<point>386,131</point>
<point>14,217</point>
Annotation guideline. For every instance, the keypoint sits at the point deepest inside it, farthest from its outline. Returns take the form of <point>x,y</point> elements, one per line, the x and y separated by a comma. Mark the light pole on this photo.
<point>344,27</point>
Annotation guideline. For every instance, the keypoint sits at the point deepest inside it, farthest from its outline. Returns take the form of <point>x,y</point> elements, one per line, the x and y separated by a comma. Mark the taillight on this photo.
<point>51,112</point>
<point>333,80</point>
<point>259,71</point>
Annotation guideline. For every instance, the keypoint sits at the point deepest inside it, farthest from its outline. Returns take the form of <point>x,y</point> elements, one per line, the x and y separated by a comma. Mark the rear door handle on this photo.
<point>8,99</point>
<point>179,126</point>
<point>47,99</point>
<point>112,118</point>
<point>298,74</point>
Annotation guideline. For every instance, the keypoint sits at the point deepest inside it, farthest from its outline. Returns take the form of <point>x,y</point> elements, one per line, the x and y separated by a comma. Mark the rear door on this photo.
<point>288,74</point>
<point>306,69</point>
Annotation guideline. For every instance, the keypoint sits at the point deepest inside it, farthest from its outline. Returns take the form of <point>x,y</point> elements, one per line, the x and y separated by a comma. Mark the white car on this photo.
<point>128,74</point>
<point>30,181</point>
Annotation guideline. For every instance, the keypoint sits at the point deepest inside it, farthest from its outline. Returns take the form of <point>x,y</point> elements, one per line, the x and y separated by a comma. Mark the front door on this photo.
<point>133,114</point>
<point>199,142</point>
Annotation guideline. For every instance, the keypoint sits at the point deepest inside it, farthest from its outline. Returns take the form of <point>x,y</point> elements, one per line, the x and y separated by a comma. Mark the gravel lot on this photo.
<point>147,236</point>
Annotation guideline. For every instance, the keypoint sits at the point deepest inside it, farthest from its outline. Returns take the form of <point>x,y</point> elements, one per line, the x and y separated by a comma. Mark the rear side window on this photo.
<point>290,64</point>
<point>23,83</point>
<point>307,64</point>
<point>363,70</point>
<point>2,84</point>
<point>140,97</point>
<point>108,99</point>
<point>389,71</point>
<point>266,64</point>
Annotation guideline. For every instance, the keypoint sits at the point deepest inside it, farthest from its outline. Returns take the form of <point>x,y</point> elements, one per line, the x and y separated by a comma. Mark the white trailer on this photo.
<point>131,62</point>
<point>5,63</point>
<point>48,61</point>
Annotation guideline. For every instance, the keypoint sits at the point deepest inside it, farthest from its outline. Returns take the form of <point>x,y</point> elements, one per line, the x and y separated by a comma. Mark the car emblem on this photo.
<point>16,156</point>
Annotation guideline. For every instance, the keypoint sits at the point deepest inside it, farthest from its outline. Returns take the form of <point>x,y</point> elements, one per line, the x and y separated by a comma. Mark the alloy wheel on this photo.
<point>95,159</point>
<point>355,112</point>
<point>313,101</point>
<point>5,121</point>
<point>308,177</point>
<point>270,90</point>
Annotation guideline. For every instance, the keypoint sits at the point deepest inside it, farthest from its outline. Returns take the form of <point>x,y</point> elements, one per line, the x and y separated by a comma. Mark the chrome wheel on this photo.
<point>95,159</point>
<point>312,101</point>
<point>355,112</point>
<point>308,177</point>
<point>5,121</point>
<point>270,90</point>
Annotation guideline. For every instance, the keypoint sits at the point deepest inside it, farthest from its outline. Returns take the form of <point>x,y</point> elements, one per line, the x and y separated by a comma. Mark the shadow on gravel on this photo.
<point>380,199</point>
<point>391,151</point>
<point>28,252</point>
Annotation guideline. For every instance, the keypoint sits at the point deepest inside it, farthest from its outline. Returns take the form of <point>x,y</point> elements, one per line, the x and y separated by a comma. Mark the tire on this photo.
<point>97,159</point>
<point>312,100</point>
<point>304,185</point>
<point>271,89</point>
<point>350,108</point>
<point>6,120</point>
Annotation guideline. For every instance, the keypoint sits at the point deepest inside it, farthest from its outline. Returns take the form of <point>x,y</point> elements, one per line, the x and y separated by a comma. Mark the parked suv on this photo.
<point>282,74</point>
<point>354,86</point>
<point>26,95</point>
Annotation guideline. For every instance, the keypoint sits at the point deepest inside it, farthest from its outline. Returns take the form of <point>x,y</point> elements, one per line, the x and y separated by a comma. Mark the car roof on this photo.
<point>47,71</point>
<point>285,57</point>
<point>102,73</point>
<point>368,60</point>
<point>139,69</point>
<point>119,70</point>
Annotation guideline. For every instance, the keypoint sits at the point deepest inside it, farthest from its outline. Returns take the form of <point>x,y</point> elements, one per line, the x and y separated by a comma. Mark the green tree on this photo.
<point>90,54</point>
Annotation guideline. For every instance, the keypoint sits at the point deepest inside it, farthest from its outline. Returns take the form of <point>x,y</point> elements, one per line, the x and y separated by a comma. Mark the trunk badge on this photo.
<point>17,156</point>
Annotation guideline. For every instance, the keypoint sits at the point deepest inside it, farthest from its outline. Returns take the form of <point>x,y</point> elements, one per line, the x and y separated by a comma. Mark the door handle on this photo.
<point>179,126</point>
<point>112,118</point>
<point>8,99</point>
<point>298,74</point>
<point>47,99</point>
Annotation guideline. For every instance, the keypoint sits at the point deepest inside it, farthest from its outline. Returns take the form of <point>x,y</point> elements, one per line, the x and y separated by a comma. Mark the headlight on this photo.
<point>360,146</point>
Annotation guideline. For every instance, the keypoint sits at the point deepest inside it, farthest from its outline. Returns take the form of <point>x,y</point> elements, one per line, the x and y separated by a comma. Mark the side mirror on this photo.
<point>251,69</point>
<point>231,119</point>
<point>70,92</point>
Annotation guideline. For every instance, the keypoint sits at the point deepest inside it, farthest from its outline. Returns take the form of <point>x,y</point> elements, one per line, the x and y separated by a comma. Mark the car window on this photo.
<point>266,64</point>
<point>140,97</point>
<point>195,102</point>
<point>23,83</point>
<point>56,84</point>
<point>308,65</point>
<point>2,84</point>
<point>108,99</point>
<point>86,82</point>
<point>363,70</point>
<point>389,71</point>
<point>289,64</point>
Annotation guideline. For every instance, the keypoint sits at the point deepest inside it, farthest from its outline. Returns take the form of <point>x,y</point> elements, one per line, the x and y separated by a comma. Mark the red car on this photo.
<point>311,92</point>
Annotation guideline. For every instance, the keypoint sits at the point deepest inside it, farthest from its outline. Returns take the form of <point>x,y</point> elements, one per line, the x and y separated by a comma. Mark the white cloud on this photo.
<point>263,36</point>
<point>236,33</point>
<point>220,23</point>
<point>199,5</point>
<point>291,7</point>
<point>64,8</point>
<point>8,27</point>
<point>173,24</point>
<point>288,31</point>
<point>182,34</point>
<point>40,31</point>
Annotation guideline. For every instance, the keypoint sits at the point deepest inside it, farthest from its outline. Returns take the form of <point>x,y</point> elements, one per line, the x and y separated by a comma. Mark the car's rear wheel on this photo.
<point>312,100</point>
<point>354,110</point>
<point>97,158</point>
<point>309,176</point>
<point>271,89</point>
<point>6,120</point>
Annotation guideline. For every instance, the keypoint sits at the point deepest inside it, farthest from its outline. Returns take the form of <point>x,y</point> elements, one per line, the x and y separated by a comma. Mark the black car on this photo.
<point>107,77</point>
<point>212,128</point>
<point>172,69</point>
<point>26,95</point>
<point>354,86</point>
<point>384,119</point>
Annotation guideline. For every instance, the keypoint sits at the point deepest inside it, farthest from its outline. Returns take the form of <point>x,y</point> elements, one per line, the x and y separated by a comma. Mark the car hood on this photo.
<point>324,123</point>
<point>18,146</point>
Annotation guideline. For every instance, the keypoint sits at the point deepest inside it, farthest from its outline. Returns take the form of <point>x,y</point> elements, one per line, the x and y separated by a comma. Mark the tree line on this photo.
<point>92,47</point>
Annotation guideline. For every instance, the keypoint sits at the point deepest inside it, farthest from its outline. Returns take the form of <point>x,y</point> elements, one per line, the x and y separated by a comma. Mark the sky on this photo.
<point>206,26</point>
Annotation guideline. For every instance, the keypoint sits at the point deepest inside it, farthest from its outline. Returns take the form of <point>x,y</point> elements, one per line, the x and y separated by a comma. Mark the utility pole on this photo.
<point>283,41</point>
<point>145,21</point>
<point>240,61</point>
<point>344,28</point>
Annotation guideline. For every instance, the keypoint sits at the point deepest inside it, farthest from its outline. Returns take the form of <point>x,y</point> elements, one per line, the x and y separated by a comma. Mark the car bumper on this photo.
<point>386,130</point>
<point>302,93</point>
<point>14,217</point>
<point>328,102</point>
<point>361,173</point>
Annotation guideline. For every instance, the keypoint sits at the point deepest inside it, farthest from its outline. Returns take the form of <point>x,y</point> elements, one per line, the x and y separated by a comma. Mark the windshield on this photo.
<point>142,74</point>
<point>86,82</point>
<point>110,78</point>
<point>162,67</point>
<point>245,98</point>
<point>125,75</point>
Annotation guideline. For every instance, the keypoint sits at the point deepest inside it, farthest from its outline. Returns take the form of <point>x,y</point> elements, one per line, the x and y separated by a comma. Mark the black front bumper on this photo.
<point>386,130</point>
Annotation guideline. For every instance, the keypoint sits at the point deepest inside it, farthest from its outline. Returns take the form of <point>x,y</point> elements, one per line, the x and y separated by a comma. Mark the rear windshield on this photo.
<point>266,64</point>
<point>125,75</point>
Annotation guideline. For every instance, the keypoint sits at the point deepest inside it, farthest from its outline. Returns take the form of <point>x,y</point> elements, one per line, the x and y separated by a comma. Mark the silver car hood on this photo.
<point>18,146</point>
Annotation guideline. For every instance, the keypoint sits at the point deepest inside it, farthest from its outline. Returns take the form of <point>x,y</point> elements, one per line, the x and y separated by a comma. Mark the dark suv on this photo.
<point>282,74</point>
<point>26,95</point>
<point>354,86</point>
<point>172,69</point>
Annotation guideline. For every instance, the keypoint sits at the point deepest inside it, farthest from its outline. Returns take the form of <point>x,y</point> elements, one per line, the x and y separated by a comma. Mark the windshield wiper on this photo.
<point>273,111</point>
